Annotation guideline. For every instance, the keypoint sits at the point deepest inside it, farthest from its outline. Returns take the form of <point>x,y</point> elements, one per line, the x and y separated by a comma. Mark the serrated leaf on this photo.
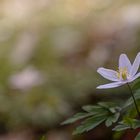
<point>76,117</point>
<point>97,113</point>
<point>138,136</point>
<point>90,123</point>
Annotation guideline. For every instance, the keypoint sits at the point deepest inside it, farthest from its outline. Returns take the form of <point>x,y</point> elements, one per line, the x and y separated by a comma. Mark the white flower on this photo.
<point>127,72</point>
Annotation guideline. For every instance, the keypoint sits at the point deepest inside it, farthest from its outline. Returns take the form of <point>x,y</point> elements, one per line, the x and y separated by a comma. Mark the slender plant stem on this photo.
<point>134,99</point>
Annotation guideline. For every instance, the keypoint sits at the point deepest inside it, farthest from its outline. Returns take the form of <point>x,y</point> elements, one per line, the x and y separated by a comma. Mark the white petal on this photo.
<point>108,74</point>
<point>135,65</point>
<point>124,62</point>
<point>110,85</point>
<point>135,77</point>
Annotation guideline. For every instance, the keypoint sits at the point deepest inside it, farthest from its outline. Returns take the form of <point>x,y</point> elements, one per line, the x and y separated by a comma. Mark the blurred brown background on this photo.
<point>49,53</point>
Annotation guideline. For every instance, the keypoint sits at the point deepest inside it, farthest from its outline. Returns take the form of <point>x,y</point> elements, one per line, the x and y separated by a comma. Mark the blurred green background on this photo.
<point>49,53</point>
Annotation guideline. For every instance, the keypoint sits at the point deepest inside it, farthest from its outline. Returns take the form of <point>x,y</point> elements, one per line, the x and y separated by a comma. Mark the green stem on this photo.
<point>137,109</point>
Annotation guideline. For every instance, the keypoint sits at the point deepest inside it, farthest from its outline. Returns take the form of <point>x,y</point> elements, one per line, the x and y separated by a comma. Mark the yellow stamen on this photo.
<point>122,73</point>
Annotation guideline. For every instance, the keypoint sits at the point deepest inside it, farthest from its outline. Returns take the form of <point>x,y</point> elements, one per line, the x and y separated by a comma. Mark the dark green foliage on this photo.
<point>76,117</point>
<point>90,123</point>
<point>136,86</point>
<point>112,119</point>
<point>109,113</point>
<point>130,101</point>
<point>127,123</point>
<point>95,115</point>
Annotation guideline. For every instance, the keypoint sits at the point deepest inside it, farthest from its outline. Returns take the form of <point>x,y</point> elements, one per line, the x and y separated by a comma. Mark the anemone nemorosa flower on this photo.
<point>126,73</point>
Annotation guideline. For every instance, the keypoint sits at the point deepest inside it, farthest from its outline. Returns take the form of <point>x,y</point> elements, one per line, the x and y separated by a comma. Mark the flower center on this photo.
<point>122,73</point>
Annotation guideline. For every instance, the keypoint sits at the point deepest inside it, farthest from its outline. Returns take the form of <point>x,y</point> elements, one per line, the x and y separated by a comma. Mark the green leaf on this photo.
<point>112,119</point>
<point>94,109</point>
<point>110,106</point>
<point>106,104</point>
<point>95,115</point>
<point>130,100</point>
<point>76,117</point>
<point>127,123</point>
<point>121,127</point>
<point>136,86</point>
<point>108,122</point>
<point>135,124</point>
<point>138,137</point>
<point>90,123</point>
<point>115,117</point>
<point>112,110</point>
